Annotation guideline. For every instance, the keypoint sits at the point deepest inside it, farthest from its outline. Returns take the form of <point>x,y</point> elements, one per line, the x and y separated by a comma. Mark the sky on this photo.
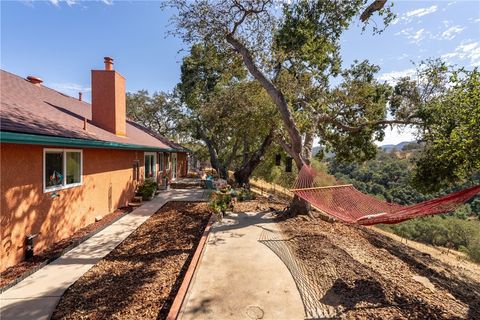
<point>61,41</point>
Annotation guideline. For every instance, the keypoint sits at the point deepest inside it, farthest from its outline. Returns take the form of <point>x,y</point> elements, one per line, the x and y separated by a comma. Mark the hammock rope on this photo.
<point>346,203</point>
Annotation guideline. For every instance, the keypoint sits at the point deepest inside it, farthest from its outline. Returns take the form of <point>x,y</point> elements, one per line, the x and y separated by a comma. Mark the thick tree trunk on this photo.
<point>295,146</point>
<point>223,172</point>
<point>243,174</point>
<point>242,177</point>
<point>299,206</point>
<point>215,161</point>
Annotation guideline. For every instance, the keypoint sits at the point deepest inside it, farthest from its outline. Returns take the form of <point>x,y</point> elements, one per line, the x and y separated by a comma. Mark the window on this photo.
<point>161,162</point>
<point>150,164</point>
<point>167,161</point>
<point>74,167</point>
<point>62,169</point>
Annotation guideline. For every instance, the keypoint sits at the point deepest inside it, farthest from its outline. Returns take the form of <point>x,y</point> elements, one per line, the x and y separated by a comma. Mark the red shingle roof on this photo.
<point>27,108</point>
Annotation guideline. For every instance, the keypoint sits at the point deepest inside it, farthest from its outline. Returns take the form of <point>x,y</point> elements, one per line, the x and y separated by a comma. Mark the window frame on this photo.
<point>161,162</point>
<point>64,168</point>
<point>154,154</point>
<point>167,161</point>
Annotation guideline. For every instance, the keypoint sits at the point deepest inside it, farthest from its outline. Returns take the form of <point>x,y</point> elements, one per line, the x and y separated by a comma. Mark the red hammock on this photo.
<point>352,206</point>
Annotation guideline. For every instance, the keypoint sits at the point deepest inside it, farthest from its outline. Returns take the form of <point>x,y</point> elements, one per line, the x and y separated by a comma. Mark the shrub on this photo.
<point>219,202</point>
<point>147,189</point>
<point>473,250</point>
<point>462,235</point>
<point>245,195</point>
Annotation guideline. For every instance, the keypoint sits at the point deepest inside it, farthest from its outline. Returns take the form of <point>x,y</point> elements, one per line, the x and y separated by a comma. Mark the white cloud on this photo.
<point>414,36</point>
<point>466,51</point>
<point>418,36</point>
<point>408,16</point>
<point>69,88</point>
<point>421,12</point>
<point>393,76</point>
<point>451,32</point>
<point>72,2</point>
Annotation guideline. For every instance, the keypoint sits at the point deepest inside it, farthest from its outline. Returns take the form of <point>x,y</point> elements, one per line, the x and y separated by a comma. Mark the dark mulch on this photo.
<point>140,277</point>
<point>366,275</point>
<point>17,272</point>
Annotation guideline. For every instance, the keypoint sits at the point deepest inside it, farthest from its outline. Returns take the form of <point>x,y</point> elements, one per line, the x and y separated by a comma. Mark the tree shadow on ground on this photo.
<point>465,291</point>
<point>347,296</point>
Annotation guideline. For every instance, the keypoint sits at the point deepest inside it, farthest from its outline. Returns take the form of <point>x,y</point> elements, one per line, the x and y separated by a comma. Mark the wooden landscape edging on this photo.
<point>182,291</point>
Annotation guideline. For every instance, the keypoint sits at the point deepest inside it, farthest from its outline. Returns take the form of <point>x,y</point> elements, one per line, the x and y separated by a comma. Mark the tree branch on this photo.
<point>374,6</point>
<point>277,96</point>
<point>352,129</point>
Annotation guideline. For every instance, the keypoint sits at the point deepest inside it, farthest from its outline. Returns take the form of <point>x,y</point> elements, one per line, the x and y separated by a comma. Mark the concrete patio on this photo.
<point>37,295</point>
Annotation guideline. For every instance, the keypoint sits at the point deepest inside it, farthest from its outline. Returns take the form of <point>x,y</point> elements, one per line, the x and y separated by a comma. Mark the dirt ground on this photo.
<point>139,278</point>
<point>55,250</point>
<point>358,273</point>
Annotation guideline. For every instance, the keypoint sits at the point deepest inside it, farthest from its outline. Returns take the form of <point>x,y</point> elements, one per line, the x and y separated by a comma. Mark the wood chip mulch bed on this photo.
<point>366,275</point>
<point>18,272</point>
<point>140,277</point>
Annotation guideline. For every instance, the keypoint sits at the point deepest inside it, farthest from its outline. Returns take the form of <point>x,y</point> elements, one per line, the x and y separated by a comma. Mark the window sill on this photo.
<point>68,186</point>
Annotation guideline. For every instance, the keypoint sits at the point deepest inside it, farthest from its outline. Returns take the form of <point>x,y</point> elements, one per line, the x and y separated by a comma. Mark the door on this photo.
<point>174,166</point>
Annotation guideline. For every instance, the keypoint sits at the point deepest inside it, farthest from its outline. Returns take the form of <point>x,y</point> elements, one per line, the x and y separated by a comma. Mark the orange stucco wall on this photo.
<point>25,209</point>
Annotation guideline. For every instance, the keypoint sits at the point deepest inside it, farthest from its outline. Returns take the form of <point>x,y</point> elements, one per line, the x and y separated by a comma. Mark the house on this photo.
<point>65,162</point>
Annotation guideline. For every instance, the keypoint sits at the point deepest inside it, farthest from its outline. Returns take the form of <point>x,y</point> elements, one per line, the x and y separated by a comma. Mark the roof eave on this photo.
<point>26,138</point>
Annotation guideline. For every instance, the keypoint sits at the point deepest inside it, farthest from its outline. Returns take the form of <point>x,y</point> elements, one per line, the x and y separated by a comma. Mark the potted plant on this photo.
<point>147,189</point>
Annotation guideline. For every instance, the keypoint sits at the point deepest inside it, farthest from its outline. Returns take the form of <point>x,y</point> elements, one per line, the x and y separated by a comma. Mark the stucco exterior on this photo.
<point>109,101</point>
<point>108,183</point>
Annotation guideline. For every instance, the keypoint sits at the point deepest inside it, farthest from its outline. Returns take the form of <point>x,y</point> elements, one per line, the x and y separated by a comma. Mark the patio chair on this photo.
<point>209,185</point>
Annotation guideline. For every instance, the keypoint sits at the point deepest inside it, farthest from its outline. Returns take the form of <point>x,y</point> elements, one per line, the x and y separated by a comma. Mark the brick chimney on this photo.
<point>108,99</point>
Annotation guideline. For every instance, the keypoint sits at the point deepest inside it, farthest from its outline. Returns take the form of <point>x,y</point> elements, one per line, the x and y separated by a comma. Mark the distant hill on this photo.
<point>410,145</point>
<point>402,146</point>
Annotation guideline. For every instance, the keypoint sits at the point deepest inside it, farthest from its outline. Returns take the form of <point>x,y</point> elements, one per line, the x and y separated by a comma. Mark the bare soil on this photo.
<point>140,277</point>
<point>362,274</point>
<point>57,249</point>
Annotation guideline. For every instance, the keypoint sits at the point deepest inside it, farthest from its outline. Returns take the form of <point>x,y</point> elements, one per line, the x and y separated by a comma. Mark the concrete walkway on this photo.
<point>238,277</point>
<point>37,295</point>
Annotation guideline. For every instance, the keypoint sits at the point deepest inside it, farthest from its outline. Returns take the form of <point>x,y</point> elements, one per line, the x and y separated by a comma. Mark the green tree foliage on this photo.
<point>389,177</point>
<point>451,232</point>
<point>295,52</point>
<point>229,113</point>
<point>451,133</point>
<point>159,112</point>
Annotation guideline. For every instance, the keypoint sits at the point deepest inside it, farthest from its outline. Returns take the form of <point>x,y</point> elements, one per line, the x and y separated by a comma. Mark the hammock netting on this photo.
<point>346,203</point>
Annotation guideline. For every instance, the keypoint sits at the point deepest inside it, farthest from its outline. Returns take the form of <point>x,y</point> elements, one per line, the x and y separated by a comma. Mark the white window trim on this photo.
<point>154,154</point>
<point>64,186</point>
